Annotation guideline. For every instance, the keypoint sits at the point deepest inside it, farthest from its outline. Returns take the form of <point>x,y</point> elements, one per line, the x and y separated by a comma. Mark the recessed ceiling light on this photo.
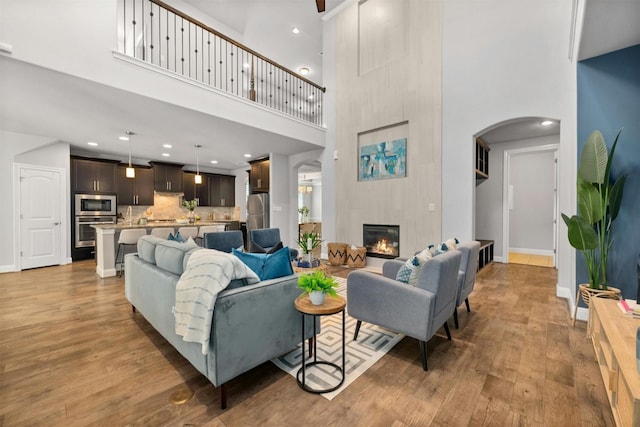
<point>166,145</point>
<point>304,71</point>
<point>547,123</point>
<point>310,97</point>
<point>295,30</point>
<point>123,138</point>
<point>246,65</point>
<point>247,155</point>
<point>166,155</point>
<point>214,162</point>
<point>93,144</point>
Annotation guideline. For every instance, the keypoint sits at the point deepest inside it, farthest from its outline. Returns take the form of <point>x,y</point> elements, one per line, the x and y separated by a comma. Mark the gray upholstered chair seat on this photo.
<point>417,311</point>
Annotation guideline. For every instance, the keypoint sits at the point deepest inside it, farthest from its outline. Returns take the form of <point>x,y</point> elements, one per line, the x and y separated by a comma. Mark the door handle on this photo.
<point>56,223</point>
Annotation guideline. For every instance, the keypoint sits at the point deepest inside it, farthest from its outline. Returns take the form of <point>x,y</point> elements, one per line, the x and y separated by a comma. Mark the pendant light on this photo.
<point>130,172</point>
<point>198,178</point>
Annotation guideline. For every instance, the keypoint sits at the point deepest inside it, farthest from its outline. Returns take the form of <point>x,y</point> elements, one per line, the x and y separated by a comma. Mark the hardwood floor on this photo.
<point>73,353</point>
<point>530,259</point>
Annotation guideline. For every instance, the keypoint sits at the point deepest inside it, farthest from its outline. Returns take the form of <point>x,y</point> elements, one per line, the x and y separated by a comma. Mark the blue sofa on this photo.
<point>251,323</point>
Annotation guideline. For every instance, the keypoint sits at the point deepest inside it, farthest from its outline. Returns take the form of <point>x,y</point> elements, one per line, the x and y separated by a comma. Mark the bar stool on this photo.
<point>162,232</point>
<point>129,237</point>
<point>208,229</point>
<point>187,232</point>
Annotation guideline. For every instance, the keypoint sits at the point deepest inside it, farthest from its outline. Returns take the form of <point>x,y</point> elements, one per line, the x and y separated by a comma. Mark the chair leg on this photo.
<point>223,396</point>
<point>466,302</point>
<point>355,334</point>
<point>446,329</point>
<point>117,256</point>
<point>455,317</point>
<point>423,355</point>
<point>310,346</point>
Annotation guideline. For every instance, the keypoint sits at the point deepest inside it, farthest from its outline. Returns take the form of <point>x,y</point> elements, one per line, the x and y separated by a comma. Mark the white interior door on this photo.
<point>39,218</point>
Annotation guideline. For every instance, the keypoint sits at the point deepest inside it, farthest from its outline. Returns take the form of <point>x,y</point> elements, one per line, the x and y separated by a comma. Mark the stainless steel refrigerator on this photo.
<point>258,211</point>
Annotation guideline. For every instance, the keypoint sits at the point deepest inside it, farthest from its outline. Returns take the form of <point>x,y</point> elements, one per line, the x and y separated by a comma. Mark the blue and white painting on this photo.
<point>383,160</point>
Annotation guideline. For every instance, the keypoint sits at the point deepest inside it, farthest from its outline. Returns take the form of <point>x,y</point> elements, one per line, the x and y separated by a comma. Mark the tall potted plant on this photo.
<point>599,199</point>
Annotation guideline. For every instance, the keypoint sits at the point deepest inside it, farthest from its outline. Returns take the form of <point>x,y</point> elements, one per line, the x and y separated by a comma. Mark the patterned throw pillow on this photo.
<point>422,258</point>
<point>410,271</point>
<point>404,273</point>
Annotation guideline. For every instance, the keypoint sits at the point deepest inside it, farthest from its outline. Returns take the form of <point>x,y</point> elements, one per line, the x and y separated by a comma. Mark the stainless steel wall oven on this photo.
<point>91,209</point>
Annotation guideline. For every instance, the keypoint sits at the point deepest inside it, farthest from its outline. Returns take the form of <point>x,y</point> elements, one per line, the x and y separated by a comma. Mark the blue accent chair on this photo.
<point>263,239</point>
<point>223,241</point>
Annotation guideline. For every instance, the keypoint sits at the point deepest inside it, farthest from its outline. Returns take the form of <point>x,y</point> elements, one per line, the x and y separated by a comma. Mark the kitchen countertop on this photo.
<point>159,224</point>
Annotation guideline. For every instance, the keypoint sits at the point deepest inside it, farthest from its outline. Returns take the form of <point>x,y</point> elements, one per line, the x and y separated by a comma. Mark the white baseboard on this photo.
<point>7,268</point>
<point>544,252</point>
<point>498,259</point>
<point>563,292</point>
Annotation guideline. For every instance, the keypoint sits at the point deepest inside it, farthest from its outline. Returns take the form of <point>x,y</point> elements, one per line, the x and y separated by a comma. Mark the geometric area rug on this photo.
<point>373,343</point>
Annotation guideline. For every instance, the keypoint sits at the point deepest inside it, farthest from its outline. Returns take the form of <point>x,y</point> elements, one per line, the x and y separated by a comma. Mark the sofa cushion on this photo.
<point>267,266</point>
<point>170,254</point>
<point>147,247</point>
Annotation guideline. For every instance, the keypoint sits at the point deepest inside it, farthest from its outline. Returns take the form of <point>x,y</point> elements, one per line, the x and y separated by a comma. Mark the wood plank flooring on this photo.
<point>73,354</point>
<point>530,259</point>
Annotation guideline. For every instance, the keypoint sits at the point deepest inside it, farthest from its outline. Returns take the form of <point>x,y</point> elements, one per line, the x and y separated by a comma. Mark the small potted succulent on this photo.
<point>318,286</point>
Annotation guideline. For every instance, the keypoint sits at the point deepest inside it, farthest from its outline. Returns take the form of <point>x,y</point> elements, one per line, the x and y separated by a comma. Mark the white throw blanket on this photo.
<point>208,272</point>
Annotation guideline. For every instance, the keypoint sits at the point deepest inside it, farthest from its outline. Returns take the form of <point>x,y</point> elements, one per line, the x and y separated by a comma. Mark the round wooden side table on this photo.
<point>332,305</point>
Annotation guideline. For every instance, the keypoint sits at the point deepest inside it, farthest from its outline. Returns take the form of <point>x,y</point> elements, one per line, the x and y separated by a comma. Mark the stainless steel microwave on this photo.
<point>96,204</point>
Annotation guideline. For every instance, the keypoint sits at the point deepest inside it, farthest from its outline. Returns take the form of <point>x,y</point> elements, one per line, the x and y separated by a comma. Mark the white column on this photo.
<point>105,253</point>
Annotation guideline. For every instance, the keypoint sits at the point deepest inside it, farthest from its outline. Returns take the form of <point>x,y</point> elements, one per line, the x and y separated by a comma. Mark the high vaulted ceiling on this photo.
<point>40,102</point>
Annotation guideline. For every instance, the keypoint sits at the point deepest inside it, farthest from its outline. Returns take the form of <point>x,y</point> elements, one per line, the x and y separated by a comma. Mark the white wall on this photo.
<point>501,60</point>
<point>489,194</point>
<point>35,150</point>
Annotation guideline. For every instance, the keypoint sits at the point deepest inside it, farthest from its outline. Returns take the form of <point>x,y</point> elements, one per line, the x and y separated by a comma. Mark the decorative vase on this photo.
<point>192,217</point>
<point>317,297</point>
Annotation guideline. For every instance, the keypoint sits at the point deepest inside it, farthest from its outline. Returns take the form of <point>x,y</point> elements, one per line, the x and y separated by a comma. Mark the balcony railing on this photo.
<point>160,35</point>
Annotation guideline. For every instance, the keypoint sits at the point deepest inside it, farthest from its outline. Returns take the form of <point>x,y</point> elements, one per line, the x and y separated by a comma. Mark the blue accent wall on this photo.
<point>609,100</point>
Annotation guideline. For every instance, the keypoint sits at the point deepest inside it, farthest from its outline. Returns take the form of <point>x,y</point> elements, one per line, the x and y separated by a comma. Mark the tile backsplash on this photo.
<point>169,206</point>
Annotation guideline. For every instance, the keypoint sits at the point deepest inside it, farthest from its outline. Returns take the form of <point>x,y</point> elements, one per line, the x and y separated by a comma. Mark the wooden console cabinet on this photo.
<point>614,340</point>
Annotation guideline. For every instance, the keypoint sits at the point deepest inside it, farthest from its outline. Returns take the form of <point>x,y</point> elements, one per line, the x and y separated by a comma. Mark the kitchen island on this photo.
<point>107,238</point>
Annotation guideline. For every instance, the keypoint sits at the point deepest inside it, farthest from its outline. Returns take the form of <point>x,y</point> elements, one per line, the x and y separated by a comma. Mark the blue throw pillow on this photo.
<point>254,261</point>
<point>177,237</point>
<point>267,266</point>
<point>277,264</point>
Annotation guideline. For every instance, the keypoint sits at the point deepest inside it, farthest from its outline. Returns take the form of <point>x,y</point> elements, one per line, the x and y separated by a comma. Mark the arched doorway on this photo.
<point>516,206</point>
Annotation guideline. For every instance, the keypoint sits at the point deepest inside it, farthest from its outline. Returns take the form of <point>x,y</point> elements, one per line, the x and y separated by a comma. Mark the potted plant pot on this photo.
<point>317,297</point>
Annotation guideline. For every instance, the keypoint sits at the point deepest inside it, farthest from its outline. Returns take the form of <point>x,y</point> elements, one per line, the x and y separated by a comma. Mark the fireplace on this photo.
<point>381,241</point>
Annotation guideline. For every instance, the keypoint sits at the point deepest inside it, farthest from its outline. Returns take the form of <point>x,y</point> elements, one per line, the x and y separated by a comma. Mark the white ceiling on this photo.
<point>42,102</point>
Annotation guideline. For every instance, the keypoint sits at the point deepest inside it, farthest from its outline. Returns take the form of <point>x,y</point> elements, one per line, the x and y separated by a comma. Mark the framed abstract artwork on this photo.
<point>383,160</point>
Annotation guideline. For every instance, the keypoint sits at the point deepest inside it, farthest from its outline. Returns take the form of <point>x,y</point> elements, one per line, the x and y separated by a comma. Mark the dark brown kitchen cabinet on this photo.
<point>196,191</point>
<point>222,190</point>
<point>167,177</point>
<point>93,176</point>
<point>135,191</point>
<point>259,176</point>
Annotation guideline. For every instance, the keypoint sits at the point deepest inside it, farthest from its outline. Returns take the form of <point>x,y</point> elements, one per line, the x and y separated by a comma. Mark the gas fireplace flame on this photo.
<point>383,247</point>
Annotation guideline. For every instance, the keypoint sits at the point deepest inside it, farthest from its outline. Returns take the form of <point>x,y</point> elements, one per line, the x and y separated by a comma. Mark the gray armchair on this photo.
<point>466,275</point>
<point>417,311</point>
<point>223,240</point>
